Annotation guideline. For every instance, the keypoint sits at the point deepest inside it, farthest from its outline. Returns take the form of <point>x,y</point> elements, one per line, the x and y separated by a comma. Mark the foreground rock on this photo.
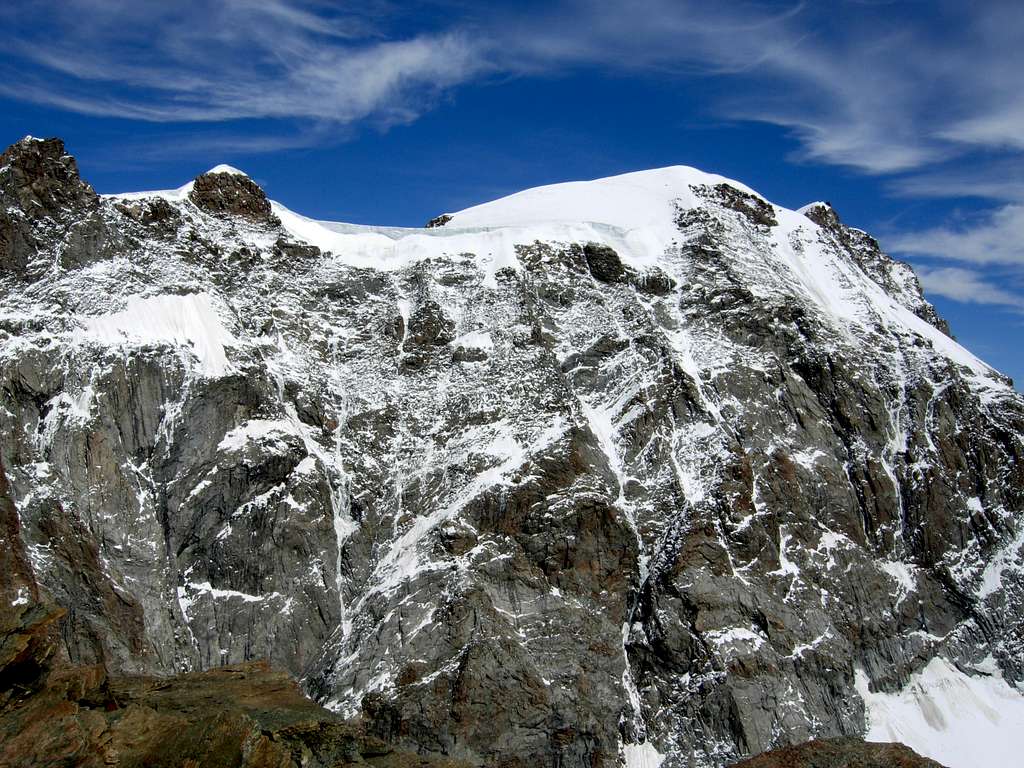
<point>29,642</point>
<point>839,753</point>
<point>247,716</point>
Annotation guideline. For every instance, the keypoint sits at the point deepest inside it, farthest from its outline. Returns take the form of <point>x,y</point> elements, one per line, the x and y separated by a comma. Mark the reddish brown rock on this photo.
<point>839,753</point>
<point>248,716</point>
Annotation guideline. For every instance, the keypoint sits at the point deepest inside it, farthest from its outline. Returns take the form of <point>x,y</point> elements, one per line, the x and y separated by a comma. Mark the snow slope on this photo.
<point>959,720</point>
<point>190,322</point>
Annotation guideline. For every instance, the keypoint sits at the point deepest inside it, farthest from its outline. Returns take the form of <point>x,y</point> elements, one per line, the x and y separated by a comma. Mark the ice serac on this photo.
<point>641,471</point>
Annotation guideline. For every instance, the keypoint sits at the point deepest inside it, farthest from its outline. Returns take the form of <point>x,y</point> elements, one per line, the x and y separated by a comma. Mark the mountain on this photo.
<point>644,470</point>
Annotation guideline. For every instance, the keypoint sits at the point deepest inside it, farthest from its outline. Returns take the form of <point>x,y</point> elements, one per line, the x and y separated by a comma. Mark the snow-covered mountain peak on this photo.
<point>645,217</point>
<point>178,194</point>
<point>230,169</point>
<point>640,470</point>
<point>626,201</point>
<point>804,209</point>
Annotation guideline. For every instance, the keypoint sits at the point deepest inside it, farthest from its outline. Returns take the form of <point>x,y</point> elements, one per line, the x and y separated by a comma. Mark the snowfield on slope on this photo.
<point>959,720</point>
<point>634,214</point>
<point>190,321</point>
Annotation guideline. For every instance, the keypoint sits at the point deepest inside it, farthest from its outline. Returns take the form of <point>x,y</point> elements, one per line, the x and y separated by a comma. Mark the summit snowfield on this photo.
<point>639,471</point>
<point>635,213</point>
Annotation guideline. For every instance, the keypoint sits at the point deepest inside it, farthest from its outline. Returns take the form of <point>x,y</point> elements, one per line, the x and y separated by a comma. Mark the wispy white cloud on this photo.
<point>966,286</point>
<point>863,87</point>
<point>998,127</point>
<point>993,242</point>
<point>240,59</point>
<point>1000,178</point>
<point>998,238</point>
<point>675,37</point>
<point>895,95</point>
<point>857,86</point>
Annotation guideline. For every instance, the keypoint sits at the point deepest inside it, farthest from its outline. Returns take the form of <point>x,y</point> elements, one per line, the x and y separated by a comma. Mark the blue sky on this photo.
<point>907,116</point>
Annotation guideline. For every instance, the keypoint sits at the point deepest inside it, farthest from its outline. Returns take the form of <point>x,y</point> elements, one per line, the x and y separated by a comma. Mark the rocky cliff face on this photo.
<point>642,470</point>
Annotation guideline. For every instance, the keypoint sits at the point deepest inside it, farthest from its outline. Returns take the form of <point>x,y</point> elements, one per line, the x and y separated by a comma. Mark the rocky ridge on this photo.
<point>642,470</point>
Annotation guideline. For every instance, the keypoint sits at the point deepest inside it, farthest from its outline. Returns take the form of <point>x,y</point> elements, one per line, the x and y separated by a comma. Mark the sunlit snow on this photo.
<point>960,720</point>
<point>189,321</point>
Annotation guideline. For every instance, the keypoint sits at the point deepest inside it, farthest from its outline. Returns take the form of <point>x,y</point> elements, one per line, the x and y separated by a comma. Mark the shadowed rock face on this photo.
<point>507,496</point>
<point>46,205</point>
<point>28,623</point>
<point>604,263</point>
<point>43,179</point>
<point>839,753</point>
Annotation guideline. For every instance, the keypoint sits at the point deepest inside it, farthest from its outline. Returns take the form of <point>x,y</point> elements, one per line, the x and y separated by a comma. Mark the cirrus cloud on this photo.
<point>931,99</point>
<point>967,287</point>
<point>998,238</point>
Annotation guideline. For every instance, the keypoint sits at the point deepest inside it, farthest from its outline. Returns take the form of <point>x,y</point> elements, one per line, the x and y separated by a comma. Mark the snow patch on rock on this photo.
<point>189,321</point>
<point>641,755</point>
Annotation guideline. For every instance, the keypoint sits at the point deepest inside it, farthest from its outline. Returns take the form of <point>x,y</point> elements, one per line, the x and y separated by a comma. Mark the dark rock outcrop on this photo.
<point>604,263</point>
<point>231,194</point>
<point>753,208</point>
<point>839,753</point>
<point>247,716</point>
<point>47,209</point>
<point>42,179</point>
<point>439,221</point>
<point>655,282</point>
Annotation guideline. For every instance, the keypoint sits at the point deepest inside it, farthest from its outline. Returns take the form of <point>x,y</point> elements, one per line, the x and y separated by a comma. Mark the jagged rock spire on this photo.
<point>42,178</point>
